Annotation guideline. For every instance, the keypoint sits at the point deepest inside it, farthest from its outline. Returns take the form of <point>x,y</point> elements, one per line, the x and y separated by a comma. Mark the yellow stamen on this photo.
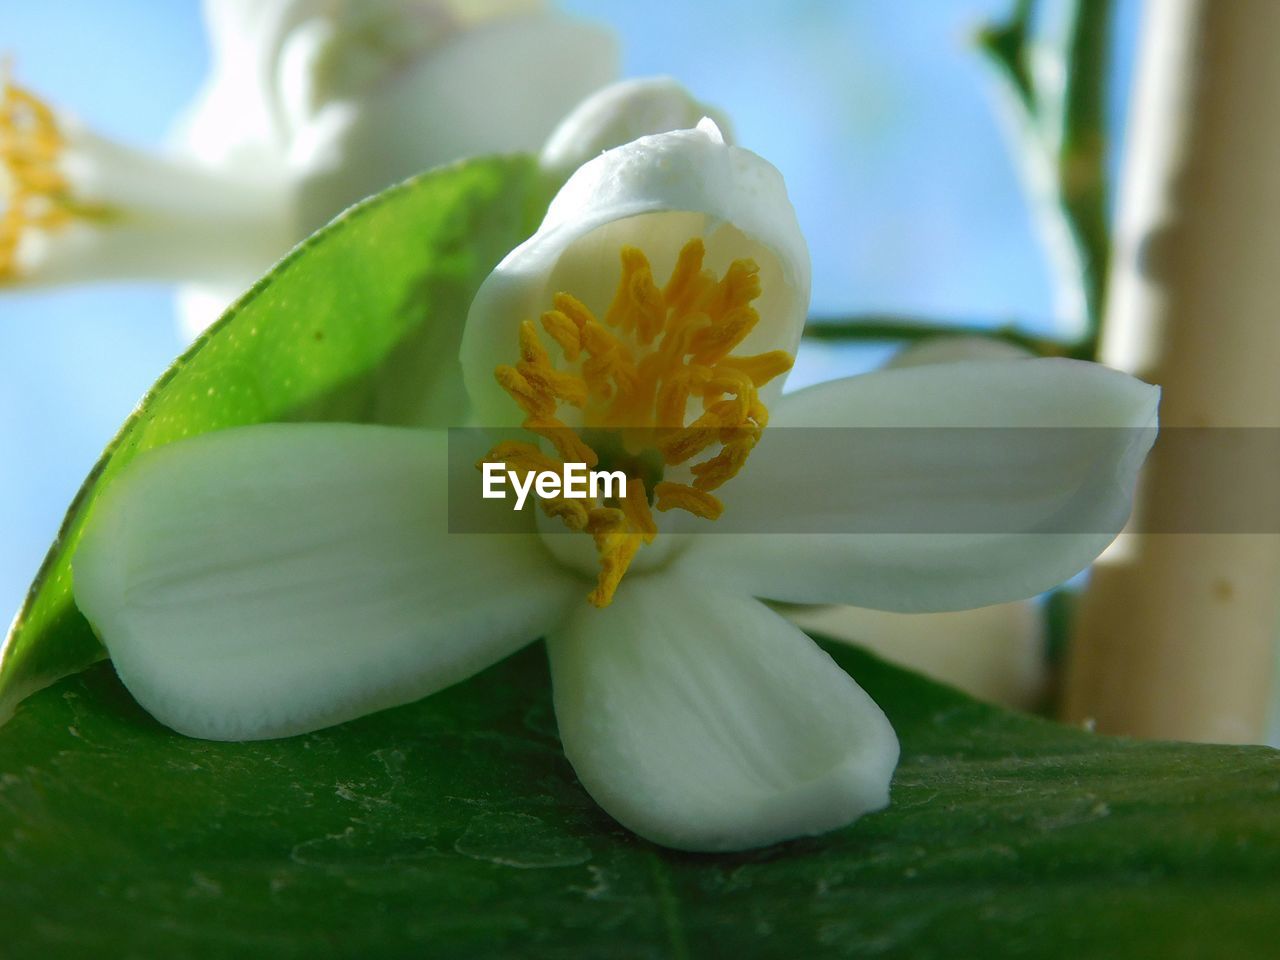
<point>564,332</point>
<point>725,465</point>
<point>564,438</point>
<point>635,508</point>
<point>532,397</point>
<point>636,371</point>
<point>762,367</point>
<point>35,193</point>
<point>520,456</point>
<point>572,308</point>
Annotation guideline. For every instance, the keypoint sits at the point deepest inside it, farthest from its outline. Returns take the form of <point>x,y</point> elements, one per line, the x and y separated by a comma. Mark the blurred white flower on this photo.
<point>310,105</point>
<point>622,112</point>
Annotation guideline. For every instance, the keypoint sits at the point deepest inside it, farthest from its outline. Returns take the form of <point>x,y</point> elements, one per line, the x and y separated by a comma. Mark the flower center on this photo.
<point>633,378</point>
<point>33,192</point>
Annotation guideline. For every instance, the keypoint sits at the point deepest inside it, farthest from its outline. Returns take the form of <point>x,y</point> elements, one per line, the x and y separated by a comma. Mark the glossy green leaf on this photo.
<point>454,827</point>
<point>354,325</point>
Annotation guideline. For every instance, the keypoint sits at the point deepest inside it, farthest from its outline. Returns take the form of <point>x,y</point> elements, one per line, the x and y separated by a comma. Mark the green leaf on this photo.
<point>454,827</point>
<point>354,325</point>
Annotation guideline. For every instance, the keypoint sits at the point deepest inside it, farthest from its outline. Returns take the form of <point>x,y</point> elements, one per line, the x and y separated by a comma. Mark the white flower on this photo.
<point>310,106</point>
<point>269,580</point>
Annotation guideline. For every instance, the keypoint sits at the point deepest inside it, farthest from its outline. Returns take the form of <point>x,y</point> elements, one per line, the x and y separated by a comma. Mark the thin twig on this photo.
<point>1063,143</point>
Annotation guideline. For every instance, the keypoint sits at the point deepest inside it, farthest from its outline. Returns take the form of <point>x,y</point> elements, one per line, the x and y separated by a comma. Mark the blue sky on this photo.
<point>878,113</point>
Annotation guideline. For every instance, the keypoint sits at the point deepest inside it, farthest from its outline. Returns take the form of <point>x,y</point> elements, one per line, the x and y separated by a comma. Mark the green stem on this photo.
<point>1082,155</point>
<point>1064,138</point>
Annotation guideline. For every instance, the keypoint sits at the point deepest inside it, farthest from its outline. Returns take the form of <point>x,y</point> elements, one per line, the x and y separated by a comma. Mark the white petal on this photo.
<point>704,721</point>
<point>1038,393</point>
<point>956,350</point>
<point>499,87</point>
<point>993,653</point>
<point>269,580</point>
<point>620,113</point>
<point>654,193</point>
<point>936,520</point>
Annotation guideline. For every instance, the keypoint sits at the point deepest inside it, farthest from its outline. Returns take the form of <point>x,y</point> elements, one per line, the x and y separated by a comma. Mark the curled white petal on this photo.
<point>265,581</point>
<point>654,193</point>
<point>882,518</point>
<point>622,112</point>
<point>705,721</point>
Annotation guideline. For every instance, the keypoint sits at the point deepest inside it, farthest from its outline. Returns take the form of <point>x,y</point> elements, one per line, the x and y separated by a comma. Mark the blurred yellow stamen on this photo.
<point>34,193</point>
<point>634,376</point>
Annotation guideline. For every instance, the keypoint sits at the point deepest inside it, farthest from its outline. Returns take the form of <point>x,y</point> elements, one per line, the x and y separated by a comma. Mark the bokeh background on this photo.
<point>880,114</point>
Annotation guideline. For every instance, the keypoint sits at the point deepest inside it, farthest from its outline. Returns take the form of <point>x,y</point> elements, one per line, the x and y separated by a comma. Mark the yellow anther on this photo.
<point>724,466</point>
<point>714,342</point>
<point>727,380</point>
<point>687,269</point>
<point>683,445</point>
<point>638,306</point>
<point>564,332</point>
<point>762,367</point>
<point>547,380</point>
<point>739,286</point>
<point>617,547</point>
<point>543,378</point>
<point>533,398</point>
<point>617,550</point>
<point>602,521</point>
<point>520,456</point>
<point>596,340</point>
<point>609,370</point>
<point>572,513</point>
<point>531,349</point>
<point>635,508</point>
<point>673,400</point>
<point>573,308</point>
<point>636,371</point>
<point>564,438</point>
<point>678,496</point>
